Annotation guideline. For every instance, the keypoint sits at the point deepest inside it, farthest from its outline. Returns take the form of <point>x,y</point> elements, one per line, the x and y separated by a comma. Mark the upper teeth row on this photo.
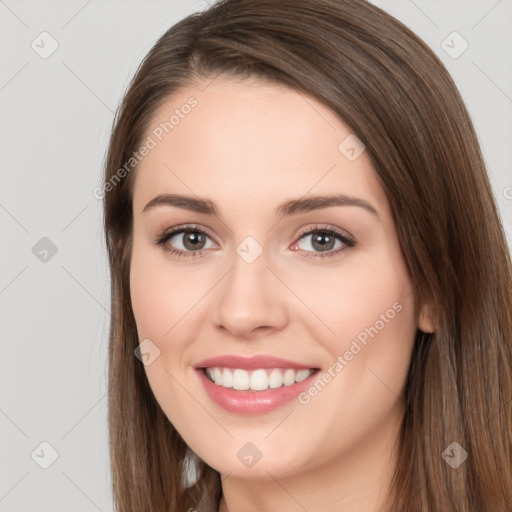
<point>257,380</point>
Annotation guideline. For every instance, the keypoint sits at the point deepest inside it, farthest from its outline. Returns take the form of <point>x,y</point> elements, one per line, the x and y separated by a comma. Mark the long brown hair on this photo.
<point>395,94</point>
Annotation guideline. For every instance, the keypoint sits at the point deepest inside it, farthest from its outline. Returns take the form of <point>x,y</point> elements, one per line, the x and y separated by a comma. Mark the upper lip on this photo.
<point>249,363</point>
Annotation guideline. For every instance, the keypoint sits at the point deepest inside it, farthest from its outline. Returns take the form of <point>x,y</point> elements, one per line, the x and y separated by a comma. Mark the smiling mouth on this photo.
<point>260,379</point>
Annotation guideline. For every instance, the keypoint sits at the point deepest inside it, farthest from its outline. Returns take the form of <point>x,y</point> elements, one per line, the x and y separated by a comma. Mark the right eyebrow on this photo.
<point>198,205</point>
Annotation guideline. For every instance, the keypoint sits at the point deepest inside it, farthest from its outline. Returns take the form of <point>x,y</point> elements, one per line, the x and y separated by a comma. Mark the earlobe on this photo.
<point>425,320</point>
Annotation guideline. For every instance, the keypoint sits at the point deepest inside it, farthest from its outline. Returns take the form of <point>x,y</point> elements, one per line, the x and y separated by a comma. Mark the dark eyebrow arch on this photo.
<point>290,207</point>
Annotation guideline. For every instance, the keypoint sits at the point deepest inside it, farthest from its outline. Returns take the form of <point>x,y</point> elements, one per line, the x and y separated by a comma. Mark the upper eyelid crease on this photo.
<point>290,207</point>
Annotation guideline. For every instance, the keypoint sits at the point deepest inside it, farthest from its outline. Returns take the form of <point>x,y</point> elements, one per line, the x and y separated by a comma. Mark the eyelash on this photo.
<point>193,228</point>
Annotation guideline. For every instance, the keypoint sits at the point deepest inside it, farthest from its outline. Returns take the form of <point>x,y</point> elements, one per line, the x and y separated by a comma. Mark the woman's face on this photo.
<point>256,280</point>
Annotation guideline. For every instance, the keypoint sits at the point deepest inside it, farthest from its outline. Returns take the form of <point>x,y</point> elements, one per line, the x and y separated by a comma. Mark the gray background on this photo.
<point>56,116</point>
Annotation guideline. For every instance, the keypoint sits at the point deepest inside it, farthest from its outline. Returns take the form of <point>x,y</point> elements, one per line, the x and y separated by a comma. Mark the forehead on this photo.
<point>249,140</point>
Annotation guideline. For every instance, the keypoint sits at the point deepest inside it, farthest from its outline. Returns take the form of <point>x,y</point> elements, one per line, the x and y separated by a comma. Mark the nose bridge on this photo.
<point>249,268</point>
<point>249,296</point>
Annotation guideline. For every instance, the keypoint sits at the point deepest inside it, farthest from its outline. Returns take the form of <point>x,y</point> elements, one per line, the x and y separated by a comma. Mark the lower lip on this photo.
<point>253,402</point>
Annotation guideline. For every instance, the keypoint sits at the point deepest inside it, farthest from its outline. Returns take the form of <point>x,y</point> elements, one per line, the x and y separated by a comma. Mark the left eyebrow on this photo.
<point>307,204</point>
<point>290,207</point>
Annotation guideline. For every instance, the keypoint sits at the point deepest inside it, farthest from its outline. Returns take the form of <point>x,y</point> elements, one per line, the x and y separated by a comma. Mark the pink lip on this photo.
<point>249,363</point>
<point>253,402</point>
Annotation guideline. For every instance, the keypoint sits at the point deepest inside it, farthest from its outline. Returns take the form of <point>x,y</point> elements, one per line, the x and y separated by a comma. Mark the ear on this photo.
<point>425,320</point>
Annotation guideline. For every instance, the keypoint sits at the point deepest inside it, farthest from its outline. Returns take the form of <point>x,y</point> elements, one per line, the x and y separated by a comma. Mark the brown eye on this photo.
<point>185,241</point>
<point>192,240</point>
<point>323,240</point>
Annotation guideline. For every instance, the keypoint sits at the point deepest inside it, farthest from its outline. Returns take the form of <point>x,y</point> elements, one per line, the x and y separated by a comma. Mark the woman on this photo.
<point>308,264</point>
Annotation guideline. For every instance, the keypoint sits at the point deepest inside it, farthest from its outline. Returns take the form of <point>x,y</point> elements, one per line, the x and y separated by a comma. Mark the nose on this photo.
<point>250,300</point>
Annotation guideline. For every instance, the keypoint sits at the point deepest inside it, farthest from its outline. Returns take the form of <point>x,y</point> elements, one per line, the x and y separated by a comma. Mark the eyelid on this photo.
<point>168,233</point>
<point>325,227</point>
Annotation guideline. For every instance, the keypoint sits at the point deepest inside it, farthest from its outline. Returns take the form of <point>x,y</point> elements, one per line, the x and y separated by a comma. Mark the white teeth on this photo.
<point>240,380</point>
<point>257,380</point>
<point>217,376</point>
<point>289,377</point>
<point>275,379</point>
<point>301,375</point>
<point>227,378</point>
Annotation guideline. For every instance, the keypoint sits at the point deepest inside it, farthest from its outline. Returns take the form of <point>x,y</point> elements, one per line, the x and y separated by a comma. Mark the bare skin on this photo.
<point>248,147</point>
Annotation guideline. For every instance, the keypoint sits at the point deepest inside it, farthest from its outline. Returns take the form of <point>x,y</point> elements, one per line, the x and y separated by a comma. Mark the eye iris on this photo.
<point>194,238</point>
<point>323,246</point>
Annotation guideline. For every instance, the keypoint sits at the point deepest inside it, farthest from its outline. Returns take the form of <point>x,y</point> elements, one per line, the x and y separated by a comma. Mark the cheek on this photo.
<point>352,298</point>
<point>367,324</point>
<point>371,311</point>
<point>160,299</point>
<point>161,294</point>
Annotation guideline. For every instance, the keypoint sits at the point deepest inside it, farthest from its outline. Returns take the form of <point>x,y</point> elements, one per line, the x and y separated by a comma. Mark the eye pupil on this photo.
<point>194,238</point>
<point>327,245</point>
